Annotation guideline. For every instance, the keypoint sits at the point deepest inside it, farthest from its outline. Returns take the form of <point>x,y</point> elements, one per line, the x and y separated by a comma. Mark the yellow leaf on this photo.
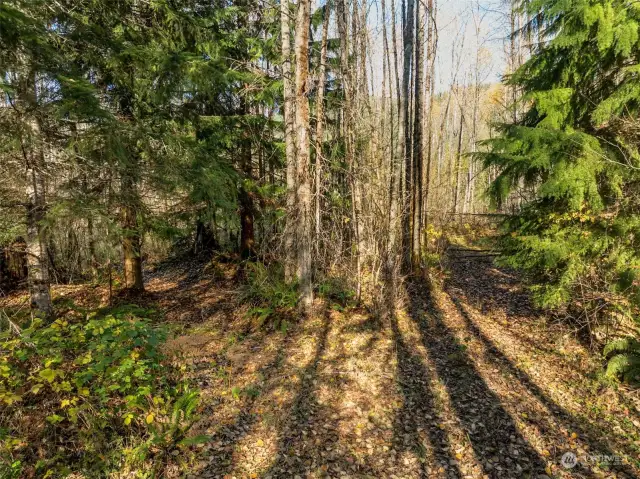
<point>574,435</point>
<point>84,391</point>
<point>150,418</point>
<point>10,398</point>
<point>36,388</point>
<point>64,403</point>
<point>260,443</point>
<point>546,453</point>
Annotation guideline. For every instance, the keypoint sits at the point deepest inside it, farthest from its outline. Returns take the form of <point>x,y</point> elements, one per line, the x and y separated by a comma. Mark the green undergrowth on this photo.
<point>338,292</point>
<point>91,393</point>
<point>274,301</point>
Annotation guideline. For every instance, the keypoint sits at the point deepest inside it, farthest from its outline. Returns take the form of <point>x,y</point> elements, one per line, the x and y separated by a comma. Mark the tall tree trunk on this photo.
<point>408,37</point>
<point>304,224</point>
<point>417,134</point>
<point>397,153</point>
<point>430,81</point>
<point>386,76</point>
<point>320,120</point>
<point>36,241</point>
<point>131,238</point>
<point>290,143</point>
<point>247,233</point>
<point>349,87</point>
<point>361,108</point>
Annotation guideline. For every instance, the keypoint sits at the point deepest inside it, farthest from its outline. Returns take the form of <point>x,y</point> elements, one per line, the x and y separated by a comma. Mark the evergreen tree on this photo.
<point>574,157</point>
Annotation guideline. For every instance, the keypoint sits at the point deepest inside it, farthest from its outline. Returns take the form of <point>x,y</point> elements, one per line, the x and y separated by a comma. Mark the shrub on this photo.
<point>623,359</point>
<point>337,290</point>
<point>78,390</point>
<point>272,299</point>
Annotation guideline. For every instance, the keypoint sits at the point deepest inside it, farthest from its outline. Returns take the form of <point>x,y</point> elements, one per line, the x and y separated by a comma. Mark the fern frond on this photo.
<point>621,346</point>
<point>625,366</point>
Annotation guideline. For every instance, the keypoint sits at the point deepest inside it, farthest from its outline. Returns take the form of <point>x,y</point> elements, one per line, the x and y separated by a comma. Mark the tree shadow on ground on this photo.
<point>309,437</point>
<point>498,445</point>
<point>221,461</point>
<point>415,427</point>
<point>480,291</point>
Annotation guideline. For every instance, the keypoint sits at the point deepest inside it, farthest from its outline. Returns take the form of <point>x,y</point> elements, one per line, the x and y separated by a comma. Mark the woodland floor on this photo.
<point>467,381</point>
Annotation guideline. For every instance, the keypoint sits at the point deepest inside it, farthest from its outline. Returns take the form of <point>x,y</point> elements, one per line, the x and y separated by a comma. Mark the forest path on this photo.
<point>467,381</point>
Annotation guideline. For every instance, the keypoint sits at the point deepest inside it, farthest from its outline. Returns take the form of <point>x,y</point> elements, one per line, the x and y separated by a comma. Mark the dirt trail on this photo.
<point>468,381</point>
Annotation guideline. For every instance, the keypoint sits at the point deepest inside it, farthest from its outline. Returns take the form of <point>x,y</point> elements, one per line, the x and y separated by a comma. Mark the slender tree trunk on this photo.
<point>417,134</point>
<point>474,138</point>
<point>431,62</point>
<point>361,100</point>
<point>131,238</point>
<point>392,129</point>
<point>93,257</point>
<point>303,176</point>
<point>350,89</point>
<point>320,121</point>
<point>290,146</point>
<point>247,231</point>
<point>36,238</point>
<point>513,61</point>
<point>457,164</point>
<point>408,37</point>
<point>399,144</point>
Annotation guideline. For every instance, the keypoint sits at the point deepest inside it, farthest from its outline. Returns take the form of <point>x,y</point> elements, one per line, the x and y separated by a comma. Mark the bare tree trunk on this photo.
<point>513,60</point>
<point>349,94</point>
<point>397,153</point>
<point>444,126</point>
<point>320,119</point>
<point>361,100</point>
<point>36,241</point>
<point>408,37</point>
<point>470,206</point>
<point>457,163</point>
<point>302,155</point>
<point>417,134</point>
<point>430,81</point>
<point>392,164</point>
<point>290,148</point>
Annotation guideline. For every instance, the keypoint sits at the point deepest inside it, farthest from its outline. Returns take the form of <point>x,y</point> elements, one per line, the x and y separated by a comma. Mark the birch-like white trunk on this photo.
<point>36,242</point>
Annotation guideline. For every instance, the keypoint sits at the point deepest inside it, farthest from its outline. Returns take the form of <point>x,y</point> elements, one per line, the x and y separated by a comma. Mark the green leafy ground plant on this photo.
<point>90,393</point>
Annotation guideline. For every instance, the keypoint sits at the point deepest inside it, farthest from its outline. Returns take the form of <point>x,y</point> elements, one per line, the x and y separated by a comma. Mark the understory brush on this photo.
<point>337,291</point>
<point>274,301</point>
<point>91,393</point>
<point>271,298</point>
